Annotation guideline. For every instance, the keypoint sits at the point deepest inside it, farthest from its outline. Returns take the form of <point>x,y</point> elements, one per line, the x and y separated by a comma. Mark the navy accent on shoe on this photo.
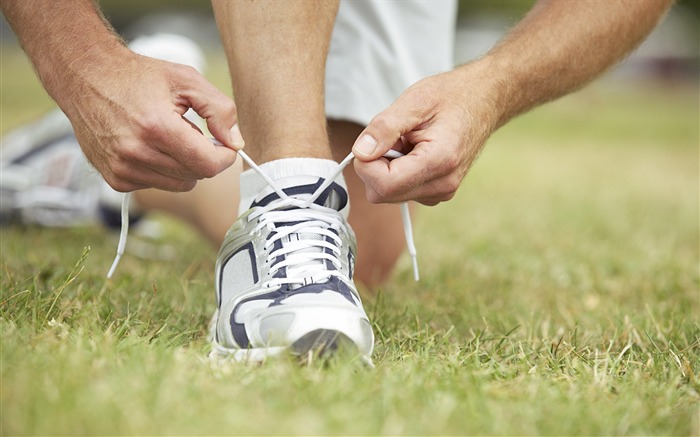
<point>278,296</point>
<point>239,333</point>
<point>333,188</point>
<point>40,148</point>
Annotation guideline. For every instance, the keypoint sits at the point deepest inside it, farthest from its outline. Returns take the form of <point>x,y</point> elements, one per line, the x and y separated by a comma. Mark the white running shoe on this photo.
<point>44,177</point>
<point>284,277</point>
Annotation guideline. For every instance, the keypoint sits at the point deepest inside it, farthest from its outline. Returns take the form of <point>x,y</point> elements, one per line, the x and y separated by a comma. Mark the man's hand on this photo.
<point>441,134</point>
<point>129,123</point>
<point>443,121</point>
<point>126,109</point>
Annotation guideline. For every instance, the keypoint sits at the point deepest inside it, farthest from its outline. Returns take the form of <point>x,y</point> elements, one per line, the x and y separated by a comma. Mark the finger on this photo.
<point>385,130</point>
<point>170,167</point>
<point>427,201</point>
<point>429,194</point>
<point>203,158</point>
<point>196,156</point>
<point>217,109</point>
<point>153,158</point>
<point>390,181</point>
<point>140,177</point>
<point>421,175</point>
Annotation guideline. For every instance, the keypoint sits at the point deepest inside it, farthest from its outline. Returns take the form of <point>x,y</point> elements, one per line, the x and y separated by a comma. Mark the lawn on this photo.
<point>559,295</point>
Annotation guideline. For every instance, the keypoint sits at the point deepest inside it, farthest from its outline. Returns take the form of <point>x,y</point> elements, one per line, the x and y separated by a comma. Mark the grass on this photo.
<point>559,295</point>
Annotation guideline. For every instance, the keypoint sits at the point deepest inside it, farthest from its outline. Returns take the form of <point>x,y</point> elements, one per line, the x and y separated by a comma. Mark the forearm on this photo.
<point>562,45</point>
<point>66,42</point>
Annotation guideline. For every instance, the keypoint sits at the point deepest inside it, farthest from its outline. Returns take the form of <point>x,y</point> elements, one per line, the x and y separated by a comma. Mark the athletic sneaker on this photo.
<point>284,276</point>
<point>44,177</point>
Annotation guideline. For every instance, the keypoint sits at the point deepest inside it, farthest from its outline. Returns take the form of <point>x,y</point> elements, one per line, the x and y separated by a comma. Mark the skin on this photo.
<point>443,121</point>
<point>277,73</point>
<point>137,138</point>
<point>376,257</point>
<point>134,135</point>
<point>271,75</point>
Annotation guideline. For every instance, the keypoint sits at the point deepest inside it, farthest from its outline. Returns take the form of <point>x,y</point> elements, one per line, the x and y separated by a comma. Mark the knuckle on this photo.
<point>373,197</point>
<point>207,169</point>
<point>118,184</point>
<point>183,186</point>
<point>120,176</point>
<point>383,123</point>
<point>119,170</point>
<point>186,71</point>
<point>151,124</point>
<point>446,190</point>
<point>382,191</point>
<point>451,162</point>
<point>451,186</point>
<point>228,107</point>
<point>387,192</point>
<point>129,153</point>
<point>448,196</point>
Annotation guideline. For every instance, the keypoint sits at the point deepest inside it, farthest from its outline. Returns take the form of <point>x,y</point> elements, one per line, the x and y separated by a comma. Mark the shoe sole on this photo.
<point>320,344</point>
<point>323,344</point>
<point>322,336</point>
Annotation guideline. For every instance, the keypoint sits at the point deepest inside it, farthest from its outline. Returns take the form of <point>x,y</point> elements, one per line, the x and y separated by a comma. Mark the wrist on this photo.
<point>66,42</point>
<point>71,73</point>
<point>485,92</point>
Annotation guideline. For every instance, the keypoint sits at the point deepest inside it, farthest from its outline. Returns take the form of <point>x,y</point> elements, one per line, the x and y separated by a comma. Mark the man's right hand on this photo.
<point>126,109</point>
<point>128,118</point>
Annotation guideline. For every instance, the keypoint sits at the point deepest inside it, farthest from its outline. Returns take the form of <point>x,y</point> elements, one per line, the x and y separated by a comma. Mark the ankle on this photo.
<point>278,170</point>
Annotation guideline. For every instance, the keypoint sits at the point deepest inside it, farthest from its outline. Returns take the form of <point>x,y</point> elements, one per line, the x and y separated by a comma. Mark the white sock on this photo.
<point>252,183</point>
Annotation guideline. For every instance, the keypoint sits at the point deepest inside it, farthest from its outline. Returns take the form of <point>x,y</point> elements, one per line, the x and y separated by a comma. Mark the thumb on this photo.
<point>386,129</point>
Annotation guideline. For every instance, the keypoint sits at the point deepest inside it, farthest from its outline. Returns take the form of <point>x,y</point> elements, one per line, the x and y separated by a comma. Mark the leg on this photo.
<point>268,81</point>
<point>211,207</point>
<point>278,72</point>
<point>284,271</point>
<point>380,238</point>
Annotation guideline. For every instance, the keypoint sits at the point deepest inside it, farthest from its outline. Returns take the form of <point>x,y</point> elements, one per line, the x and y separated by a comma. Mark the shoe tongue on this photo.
<point>303,187</point>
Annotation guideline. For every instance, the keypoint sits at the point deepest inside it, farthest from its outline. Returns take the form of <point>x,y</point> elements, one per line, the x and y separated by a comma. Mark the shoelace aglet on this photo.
<point>122,234</point>
<point>408,234</point>
<point>414,261</point>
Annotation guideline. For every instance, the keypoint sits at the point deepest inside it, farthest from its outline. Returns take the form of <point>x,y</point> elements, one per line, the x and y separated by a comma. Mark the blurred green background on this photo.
<point>121,12</point>
<point>559,290</point>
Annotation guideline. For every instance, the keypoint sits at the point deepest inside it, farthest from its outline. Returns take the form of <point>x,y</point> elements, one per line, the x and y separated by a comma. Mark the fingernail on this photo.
<point>365,146</point>
<point>236,138</point>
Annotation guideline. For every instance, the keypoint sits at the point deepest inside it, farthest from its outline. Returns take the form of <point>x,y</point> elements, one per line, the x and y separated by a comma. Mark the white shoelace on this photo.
<point>304,246</point>
<point>303,259</point>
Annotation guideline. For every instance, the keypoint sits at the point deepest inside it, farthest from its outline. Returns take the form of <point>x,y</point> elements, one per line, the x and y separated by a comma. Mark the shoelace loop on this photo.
<point>298,253</point>
<point>301,248</point>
